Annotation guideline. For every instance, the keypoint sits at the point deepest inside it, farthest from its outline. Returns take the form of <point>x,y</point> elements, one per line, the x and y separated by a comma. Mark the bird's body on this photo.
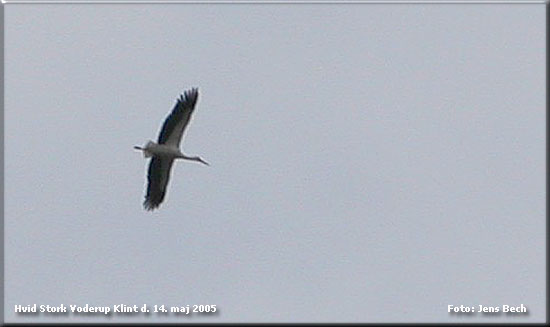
<point>167,149</point>
<point>160,150</point>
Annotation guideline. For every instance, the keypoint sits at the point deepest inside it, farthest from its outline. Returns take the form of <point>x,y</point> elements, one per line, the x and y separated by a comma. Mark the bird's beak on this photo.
<point>204,162</point>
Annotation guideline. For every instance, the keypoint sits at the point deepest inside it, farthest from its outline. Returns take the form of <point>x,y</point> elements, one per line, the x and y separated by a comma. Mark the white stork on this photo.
<point>167,149</point>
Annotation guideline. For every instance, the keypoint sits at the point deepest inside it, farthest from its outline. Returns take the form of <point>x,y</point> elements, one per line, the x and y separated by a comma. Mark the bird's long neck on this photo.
<point>183,156</point>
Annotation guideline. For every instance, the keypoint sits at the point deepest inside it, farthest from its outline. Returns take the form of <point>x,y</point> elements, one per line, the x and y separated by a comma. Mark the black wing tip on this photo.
<point>189,96</point>
<point>150,205</point>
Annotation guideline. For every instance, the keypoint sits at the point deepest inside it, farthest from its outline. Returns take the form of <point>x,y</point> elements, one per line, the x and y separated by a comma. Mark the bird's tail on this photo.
<point>147,153</point>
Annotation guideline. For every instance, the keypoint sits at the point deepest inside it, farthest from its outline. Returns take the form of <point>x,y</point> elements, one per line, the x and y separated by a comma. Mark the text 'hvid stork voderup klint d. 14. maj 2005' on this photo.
<point>167,149</point>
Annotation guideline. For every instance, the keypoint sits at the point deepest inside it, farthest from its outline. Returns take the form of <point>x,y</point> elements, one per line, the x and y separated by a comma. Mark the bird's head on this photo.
<point>199,159</point>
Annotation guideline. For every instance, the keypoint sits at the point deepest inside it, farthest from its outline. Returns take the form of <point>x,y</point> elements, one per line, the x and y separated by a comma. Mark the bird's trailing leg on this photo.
<point>146,152</point>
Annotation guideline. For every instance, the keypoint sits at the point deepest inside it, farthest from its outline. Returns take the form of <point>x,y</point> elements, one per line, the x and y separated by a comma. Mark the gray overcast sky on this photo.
<point>369,163</point>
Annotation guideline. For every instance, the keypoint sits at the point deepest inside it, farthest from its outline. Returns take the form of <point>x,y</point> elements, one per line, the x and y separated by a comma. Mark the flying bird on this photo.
<point>167,149</point>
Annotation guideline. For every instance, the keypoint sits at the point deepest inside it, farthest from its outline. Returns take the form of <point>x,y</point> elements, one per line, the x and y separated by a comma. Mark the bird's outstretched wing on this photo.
<point>174,125</point>
<point>159,174</point>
